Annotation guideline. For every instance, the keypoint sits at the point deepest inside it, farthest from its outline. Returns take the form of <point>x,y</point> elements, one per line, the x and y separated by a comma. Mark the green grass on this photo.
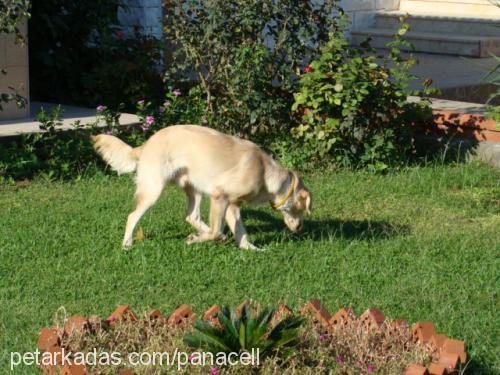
<point>423,245</point>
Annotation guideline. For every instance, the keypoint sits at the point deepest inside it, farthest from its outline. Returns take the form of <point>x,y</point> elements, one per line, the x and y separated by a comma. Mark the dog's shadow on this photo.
<point>267,226</point>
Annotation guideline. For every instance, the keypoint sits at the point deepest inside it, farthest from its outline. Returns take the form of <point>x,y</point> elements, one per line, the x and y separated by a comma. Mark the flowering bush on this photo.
<point>354,110</point>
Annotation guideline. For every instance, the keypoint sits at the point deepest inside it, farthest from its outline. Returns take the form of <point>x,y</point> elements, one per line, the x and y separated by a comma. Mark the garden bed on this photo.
<point>342,342</point>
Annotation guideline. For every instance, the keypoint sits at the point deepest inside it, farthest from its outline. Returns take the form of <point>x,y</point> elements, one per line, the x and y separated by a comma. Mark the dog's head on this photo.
<point>300,203</point>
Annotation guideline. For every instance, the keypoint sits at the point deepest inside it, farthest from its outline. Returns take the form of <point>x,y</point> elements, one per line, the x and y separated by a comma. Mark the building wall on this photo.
<point>146,14</point>
<point>14,59</point>
<point>143,16</point>
<point>362,12</point>
<point>464,8</point>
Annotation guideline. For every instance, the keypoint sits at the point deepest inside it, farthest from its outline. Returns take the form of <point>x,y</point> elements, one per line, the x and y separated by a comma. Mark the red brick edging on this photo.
<point>472,126</point>
<point>451,353</point>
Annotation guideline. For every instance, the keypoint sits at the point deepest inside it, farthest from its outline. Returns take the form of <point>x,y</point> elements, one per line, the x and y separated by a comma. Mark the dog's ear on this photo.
<point>305,196</point>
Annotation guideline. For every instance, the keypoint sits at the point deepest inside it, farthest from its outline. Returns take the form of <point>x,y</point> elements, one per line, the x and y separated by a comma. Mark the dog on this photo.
<point>201,160</point>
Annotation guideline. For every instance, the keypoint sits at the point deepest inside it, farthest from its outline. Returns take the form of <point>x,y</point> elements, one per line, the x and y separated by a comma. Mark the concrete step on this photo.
<point>442,24</point>
<point>451,7</point>
<point>453,44</point>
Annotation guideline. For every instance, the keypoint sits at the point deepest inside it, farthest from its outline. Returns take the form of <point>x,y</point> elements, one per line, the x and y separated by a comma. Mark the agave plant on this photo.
<point>244,332</point>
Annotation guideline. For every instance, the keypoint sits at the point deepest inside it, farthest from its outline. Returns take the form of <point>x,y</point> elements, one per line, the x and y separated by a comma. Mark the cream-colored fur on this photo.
<point>201,160</point>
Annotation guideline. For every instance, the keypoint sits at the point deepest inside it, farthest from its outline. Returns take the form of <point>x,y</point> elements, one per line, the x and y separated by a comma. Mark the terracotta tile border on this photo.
<point>473,126</point>
<point>451,352</point>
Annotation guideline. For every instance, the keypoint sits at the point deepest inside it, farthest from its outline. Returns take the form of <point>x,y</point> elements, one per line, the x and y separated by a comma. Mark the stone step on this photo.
<point>453,44</point>
<point>450,7</point>
<point>426,22</point>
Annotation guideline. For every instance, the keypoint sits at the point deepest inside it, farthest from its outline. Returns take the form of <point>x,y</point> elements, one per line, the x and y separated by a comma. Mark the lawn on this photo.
<point>422,244</point>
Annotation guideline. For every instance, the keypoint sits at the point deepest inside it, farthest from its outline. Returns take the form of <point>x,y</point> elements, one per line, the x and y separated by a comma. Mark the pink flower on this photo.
<point>322,337</point>
<point>140,102</point>
<point>112,318</point>
<point>371,368</point>
<point>214,371</point>
<point>150,120</point>
<point>167,103</point>
<point>340,358</point>
<point>101,108</point>
<point>145,127</point>
<point>176,92</point>
<point>162,109</point>
<point>308,68</point>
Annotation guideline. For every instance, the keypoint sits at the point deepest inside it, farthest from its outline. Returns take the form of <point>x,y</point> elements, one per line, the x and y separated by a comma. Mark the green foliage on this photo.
<point>177,108</point>
<point>244,332</point>
<point>58,153</point>
<point>12,13</point>
<point>82,57</point>
<point>52,152</point>
<point>245,56</point>
<point>354,109</point>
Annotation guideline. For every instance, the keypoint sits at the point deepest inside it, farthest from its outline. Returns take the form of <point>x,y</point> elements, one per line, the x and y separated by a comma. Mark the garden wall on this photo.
<point>14,59</point>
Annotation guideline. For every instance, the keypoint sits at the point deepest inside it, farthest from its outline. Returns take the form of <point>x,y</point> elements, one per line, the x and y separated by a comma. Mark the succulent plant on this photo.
<point>244,332</point>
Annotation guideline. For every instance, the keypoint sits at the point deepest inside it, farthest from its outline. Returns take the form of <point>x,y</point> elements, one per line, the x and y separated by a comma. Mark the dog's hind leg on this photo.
<point>147,193</point>
<point>235,223</point>
<point>193,215</point>
<point>218,207</point>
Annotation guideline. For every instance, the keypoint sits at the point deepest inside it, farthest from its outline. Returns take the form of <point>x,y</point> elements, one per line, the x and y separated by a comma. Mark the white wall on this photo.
<point>362,12</point>
<point>144,14</point>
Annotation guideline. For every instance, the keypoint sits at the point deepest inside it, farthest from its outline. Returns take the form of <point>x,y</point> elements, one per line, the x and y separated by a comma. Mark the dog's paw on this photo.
<point>250,246</point>
<point>126,245</point>
<point>222,238</point>
<point>192,238</point>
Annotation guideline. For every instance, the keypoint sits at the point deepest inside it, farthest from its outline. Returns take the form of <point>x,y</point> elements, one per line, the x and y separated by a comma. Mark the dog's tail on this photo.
<point>119,155</point>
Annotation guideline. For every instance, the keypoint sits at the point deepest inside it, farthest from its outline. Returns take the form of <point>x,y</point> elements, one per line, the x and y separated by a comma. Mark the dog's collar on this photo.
<point>286,197</point>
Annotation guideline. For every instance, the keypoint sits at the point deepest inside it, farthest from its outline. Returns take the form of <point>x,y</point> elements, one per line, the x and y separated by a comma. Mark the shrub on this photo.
<point>245,56</point>
<point>354,109</point>
<point>53,152</point>
<point>177,107</point>
<point>65,154</point>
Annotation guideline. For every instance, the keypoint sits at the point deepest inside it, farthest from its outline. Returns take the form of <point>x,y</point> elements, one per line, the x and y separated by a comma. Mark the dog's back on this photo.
<point>210,159</point>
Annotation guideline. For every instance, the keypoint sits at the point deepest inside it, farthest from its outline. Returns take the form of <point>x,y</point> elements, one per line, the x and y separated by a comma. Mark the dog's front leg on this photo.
<point>218,207</point>
<point>235,223</point>
<point>193,215</point>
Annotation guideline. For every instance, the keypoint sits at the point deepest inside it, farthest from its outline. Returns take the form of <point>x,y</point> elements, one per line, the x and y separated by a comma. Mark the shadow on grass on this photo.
<point>264,227</point>
<point>477,367</point>
<point>268,226</point>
